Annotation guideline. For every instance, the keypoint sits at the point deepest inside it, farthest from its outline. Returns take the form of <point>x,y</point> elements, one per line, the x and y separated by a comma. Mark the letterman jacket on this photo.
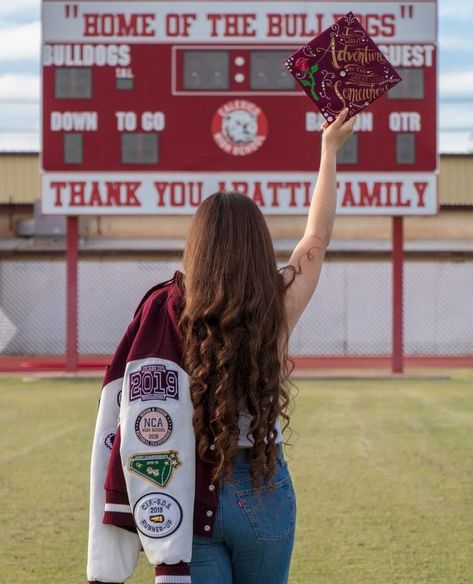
<point>148,489</point>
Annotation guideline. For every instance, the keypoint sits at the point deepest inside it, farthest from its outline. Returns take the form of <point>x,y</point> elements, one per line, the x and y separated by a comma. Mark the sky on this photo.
<point>20,75</point>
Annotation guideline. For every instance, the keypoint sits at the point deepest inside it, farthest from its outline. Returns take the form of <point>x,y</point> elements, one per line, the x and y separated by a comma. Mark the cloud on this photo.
<point>456,84</point>
<point>456,116</point>
<point>20,9</point>
<point>23,117</point>
<point>19,88</point>
<point>455,9</point>
<point>455,43</point>
<point>19,142</point>
<point>21,41</point>
<point>455,142</point>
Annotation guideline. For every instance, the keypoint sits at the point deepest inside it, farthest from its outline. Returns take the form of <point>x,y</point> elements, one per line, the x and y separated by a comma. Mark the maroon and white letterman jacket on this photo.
<point>148,489</point>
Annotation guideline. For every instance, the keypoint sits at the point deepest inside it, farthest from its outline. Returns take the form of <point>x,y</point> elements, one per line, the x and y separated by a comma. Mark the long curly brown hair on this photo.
<point>235,333</point>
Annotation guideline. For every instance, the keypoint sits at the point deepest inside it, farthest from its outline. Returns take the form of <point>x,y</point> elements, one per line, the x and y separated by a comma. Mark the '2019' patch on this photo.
<point>153,426</point>
<point>157,515</point>
<point>154,382</point>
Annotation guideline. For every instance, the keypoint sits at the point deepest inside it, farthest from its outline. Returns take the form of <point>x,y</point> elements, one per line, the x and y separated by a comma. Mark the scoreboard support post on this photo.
<point>72,257</point>
<point>397,362</point>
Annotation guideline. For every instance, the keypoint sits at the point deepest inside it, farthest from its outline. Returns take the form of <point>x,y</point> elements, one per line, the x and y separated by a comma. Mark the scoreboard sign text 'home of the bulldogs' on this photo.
<point>148,107</point>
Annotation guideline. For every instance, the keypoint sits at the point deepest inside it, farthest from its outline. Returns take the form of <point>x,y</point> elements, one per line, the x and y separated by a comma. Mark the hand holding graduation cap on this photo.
<point>335,135</point>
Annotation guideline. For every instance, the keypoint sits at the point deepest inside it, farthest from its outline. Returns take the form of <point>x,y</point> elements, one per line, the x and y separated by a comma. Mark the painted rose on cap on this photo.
<point>302,63</point>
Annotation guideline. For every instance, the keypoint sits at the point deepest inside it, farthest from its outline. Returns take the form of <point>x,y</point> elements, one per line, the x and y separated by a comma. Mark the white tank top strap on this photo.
<point>244,422</point>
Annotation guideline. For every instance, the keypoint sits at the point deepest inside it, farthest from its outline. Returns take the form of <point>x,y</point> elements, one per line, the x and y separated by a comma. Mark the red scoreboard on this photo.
<point>150,106</point>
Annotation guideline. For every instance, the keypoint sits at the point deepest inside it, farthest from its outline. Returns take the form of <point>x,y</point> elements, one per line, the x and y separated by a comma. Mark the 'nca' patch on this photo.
<point>153,426</point>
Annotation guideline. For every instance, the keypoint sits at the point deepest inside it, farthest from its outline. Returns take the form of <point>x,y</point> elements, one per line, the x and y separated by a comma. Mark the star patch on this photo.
<point>157,468</point>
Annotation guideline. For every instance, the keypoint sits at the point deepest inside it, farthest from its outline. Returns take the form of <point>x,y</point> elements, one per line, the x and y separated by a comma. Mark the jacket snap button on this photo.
<point>209,513</point>
<point>211,487</point>
<point>206,527</point>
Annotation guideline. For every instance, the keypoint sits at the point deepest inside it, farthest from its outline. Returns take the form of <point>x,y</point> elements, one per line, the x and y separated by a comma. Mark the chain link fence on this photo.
<point>349,315</point>
<point>109,292</point>
<point>438,307</point>
<point>32,307</point>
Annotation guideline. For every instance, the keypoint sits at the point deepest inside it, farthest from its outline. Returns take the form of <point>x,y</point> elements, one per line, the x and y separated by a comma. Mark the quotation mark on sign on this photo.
<point>71,10</point>
<point>407,10</point>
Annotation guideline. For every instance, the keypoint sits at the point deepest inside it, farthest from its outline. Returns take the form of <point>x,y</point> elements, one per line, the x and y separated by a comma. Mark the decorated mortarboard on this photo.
<point>342,67</point>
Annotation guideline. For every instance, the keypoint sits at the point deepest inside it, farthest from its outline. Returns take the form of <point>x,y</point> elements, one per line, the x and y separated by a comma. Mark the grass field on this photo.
<point>383,471</point>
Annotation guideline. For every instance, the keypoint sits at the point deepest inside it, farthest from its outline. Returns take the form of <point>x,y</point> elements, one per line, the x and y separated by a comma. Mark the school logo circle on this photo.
<point>157,515</point>
<point>153,426</point>
<point>239,127</point>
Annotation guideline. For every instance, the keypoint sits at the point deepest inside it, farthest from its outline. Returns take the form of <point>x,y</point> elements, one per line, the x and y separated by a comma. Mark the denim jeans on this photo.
<point>253,534</point>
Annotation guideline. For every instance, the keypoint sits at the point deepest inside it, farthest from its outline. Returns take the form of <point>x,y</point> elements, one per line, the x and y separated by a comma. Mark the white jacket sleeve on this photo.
<point>157,451</point>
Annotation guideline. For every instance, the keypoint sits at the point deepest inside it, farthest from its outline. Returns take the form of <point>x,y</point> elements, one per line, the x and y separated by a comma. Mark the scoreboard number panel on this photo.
<point>147,107</point>
<point>73,148</point>
<point>73,83</point>
<point>138,148</point>
<point>267,72</point>
<point>348,153</point>
<point>411,86</point>
<point>206,70</point>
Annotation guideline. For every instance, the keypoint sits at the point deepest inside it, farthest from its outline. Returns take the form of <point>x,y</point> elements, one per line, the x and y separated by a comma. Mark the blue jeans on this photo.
<point>253,534</point>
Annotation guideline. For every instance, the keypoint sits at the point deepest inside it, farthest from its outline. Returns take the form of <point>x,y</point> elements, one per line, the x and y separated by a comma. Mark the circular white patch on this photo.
<point>153,426</point>
<point>157,515</point>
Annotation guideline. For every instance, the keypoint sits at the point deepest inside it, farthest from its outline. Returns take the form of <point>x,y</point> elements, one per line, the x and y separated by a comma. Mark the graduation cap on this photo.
<point>342,67</point>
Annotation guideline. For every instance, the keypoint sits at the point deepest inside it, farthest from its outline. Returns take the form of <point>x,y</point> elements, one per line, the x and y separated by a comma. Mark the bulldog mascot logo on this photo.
<point>239,127</point>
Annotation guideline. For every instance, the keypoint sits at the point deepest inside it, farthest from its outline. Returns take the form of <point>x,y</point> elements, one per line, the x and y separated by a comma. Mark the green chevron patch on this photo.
<point>157,468</point>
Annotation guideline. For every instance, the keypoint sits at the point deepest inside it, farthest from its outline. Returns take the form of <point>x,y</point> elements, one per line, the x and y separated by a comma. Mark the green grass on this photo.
<point>383,471</point>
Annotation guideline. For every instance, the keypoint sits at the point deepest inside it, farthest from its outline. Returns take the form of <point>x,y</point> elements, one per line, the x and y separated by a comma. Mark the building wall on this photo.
<point>449,224</point>
<point>456,179</point>
<point>19,178</point>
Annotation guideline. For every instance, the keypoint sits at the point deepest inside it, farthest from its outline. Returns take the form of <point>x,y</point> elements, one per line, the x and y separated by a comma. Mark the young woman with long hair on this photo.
<point>196,399</point>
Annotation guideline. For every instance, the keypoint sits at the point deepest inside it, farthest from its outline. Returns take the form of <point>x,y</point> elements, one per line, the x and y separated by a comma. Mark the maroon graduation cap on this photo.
<point>342,67</point>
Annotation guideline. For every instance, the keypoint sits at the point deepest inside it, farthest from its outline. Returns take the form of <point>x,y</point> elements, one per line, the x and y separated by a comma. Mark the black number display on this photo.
<point>411,86</point>
<point>267,72</point>
<point>206,70</point>
<point>138,148</point>
<point>73,83</point>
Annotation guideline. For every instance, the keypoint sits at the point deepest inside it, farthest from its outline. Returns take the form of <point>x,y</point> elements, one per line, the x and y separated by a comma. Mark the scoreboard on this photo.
<point>147,107</point>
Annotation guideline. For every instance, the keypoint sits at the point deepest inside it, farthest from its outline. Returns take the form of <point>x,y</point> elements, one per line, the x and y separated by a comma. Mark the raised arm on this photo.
<point>309,253</point>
